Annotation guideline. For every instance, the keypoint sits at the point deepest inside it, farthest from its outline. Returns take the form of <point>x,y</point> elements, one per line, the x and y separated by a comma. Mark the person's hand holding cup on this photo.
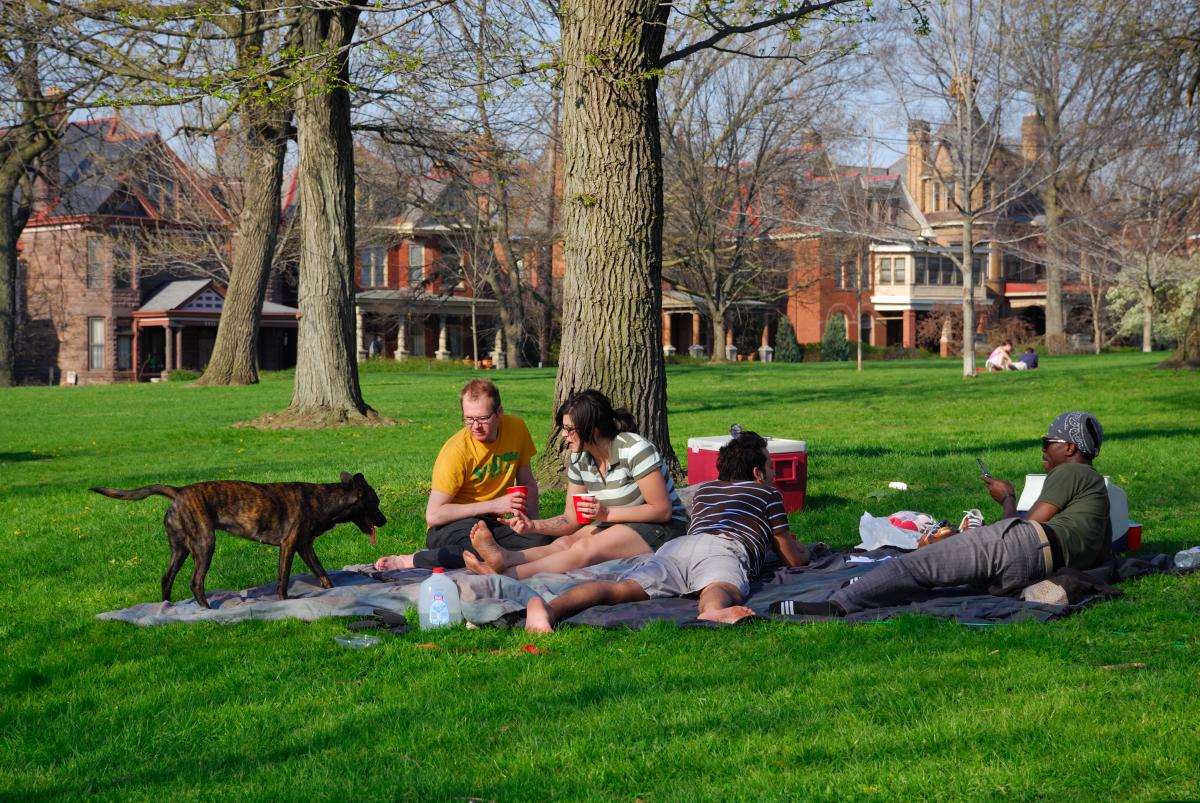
<point>586,507</point>
<point>516,498</point>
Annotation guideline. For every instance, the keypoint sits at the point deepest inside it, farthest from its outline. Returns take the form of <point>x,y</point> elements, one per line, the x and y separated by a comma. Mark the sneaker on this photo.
<point>971,518</point>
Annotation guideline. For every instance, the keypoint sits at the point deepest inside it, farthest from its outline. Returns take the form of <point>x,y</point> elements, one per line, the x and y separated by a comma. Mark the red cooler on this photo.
<point>789,459</point>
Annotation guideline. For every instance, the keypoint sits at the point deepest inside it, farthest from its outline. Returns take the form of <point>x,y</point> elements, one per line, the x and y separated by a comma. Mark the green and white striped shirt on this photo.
<point>631,458</point>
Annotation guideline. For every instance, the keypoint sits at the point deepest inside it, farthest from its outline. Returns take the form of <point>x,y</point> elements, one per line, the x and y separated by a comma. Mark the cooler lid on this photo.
<point>713,443</point>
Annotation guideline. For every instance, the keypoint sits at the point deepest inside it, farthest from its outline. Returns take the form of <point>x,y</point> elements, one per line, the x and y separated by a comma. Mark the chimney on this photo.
<point>916,162</point>
<point>1033,137</point>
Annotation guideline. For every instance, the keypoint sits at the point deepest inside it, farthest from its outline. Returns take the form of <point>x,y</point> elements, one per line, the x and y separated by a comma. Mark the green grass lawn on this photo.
<point>911,709</point>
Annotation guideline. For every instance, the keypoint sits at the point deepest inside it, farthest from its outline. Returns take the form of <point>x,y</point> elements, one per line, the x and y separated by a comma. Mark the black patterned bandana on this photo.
<point>1079,428</point>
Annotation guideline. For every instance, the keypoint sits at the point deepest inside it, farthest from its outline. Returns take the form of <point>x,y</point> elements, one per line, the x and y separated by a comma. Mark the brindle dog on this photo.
<point>287,514</point>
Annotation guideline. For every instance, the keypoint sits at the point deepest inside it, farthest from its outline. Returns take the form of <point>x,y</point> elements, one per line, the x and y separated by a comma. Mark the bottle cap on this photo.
<point>439,570</point>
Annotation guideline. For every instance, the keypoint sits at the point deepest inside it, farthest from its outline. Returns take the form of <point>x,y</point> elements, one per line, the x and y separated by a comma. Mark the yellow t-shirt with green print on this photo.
<point>469,471</point>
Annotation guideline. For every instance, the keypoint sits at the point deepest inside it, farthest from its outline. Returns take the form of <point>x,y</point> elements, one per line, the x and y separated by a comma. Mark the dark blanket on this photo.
<point>500,601</point>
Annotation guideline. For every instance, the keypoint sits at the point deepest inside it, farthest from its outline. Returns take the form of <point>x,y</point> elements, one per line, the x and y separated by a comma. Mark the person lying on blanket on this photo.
<point>734,520</point>
<point>1068,527</point>
<point>633,508</point>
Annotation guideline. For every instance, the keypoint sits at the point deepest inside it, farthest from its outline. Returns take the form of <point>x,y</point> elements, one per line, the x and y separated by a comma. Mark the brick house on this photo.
<point>875,246</point>
<point>117,220</point>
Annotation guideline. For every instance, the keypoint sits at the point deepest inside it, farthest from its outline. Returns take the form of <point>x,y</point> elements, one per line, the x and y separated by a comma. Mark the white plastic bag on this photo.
<point>877,531</point>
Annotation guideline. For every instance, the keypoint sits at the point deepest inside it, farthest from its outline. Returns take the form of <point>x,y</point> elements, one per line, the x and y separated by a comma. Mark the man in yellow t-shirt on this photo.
<point>471,478</point>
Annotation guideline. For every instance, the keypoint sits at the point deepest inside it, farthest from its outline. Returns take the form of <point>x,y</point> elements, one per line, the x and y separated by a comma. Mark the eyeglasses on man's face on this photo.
<point>478,420</point>
<point>1047,441</point>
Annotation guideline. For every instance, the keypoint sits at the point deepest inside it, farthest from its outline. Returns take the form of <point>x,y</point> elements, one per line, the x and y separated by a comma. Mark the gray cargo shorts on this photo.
<point>684,566</point>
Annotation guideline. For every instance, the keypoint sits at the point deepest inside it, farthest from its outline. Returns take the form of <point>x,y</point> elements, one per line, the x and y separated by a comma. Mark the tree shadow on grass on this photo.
<point>22,457</point>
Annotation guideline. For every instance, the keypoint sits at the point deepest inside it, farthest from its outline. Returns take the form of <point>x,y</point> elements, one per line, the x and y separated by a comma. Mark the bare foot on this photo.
<point>390,562</point>
<point>538,617</point>
<point>731,615</point>
<point>488,549</point>
<point>475,565</point>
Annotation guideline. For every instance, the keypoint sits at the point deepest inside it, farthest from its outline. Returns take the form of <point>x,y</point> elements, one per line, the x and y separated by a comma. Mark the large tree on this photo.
<point>1090,94</point>
<point>612,61</point>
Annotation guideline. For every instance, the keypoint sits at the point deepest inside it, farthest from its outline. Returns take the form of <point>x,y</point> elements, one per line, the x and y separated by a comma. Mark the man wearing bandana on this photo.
<point>1068,527</point>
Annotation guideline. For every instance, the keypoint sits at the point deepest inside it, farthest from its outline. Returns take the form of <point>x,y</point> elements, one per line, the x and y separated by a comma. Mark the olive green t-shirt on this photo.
<point>1081,525</point>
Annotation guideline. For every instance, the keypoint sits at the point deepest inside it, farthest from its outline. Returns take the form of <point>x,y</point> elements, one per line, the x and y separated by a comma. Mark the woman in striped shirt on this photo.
<point>635,509</point>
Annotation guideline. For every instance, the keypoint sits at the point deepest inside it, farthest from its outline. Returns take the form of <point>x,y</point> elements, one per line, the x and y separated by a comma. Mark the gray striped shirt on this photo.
<point>631,458</point>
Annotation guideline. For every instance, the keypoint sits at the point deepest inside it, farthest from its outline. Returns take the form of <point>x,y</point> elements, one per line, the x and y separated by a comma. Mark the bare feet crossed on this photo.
<point>476,566</point>
<point>491,552</point>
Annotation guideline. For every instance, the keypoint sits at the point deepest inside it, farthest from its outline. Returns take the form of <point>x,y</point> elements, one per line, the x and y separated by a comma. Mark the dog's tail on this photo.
<point>168,491</point>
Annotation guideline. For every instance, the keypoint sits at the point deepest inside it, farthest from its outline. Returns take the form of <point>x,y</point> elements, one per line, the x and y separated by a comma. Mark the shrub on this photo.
<point>182,375</point>
<point>786,347</point>
<point>834,345</point>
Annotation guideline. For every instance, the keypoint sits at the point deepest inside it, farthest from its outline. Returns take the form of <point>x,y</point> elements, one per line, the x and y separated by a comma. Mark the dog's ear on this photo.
<point>359,479</point>
<point>346,478</point>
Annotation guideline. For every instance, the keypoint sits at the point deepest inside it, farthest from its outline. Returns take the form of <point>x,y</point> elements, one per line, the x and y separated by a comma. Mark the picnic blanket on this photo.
<point>500,601</point>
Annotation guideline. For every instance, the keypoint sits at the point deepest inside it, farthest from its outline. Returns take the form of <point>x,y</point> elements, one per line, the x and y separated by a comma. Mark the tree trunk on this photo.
<point>1147,319</point>
<point>265,123</point>
<point>1056,331</point>
<point>326,391</point>
<point>718,341</point>
<point>612,215</point>
<point>235,354</point>
<point>1188,353</point>
<point>8,282</point>
<point>968,299</point>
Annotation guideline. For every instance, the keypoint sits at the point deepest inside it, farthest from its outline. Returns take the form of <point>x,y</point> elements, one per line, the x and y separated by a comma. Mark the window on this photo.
<point>124,352</point>
<point>898,266</point>
<point>95,343</point>
<point>373,271</point>
<point>864,277</point>
<point>920,270</point>
<point>95,265</point>
<point>937,197</point>
<point>839,274</point>
<point>885,270</point>
<point>951,190</point>
<point>416,264</point>
<point>122,267</point>
<point>976,270</point>
<point>448,269</point>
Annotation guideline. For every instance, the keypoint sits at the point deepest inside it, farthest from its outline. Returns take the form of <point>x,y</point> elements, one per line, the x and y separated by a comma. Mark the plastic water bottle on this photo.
<point>437,604</point>
<point>1188,558</point>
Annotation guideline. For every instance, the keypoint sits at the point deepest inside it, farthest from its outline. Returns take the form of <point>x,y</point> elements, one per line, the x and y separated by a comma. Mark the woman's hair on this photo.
<point>737,459</point>
<point>594,417</point>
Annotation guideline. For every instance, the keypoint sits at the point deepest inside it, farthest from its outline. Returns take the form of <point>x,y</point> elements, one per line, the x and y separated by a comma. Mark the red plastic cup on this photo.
<point>1133,537</point>
<point>519,489</point>
<point>581,517</point>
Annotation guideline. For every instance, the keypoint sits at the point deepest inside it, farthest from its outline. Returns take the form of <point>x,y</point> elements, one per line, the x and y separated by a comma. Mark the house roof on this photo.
<point>176,295</point>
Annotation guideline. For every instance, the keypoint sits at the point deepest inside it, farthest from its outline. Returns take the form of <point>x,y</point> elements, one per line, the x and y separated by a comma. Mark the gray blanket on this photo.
<point>500,601</point>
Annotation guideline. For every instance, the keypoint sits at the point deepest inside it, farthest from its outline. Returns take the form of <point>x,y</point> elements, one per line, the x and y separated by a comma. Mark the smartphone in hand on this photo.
<point>983,469</point>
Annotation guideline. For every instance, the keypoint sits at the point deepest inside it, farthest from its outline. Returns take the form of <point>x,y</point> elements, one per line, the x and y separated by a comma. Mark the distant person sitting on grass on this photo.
<point>632,507</point>
<point>1028,358</point>
<point>734,521</point>
<point>1067,527</point>
<point>1001,357</point>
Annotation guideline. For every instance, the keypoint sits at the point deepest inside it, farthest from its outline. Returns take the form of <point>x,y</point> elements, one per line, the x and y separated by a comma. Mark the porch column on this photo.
<point>358,333</point>
<point>730,349</point>
<point>696,350</point>
<point>137,372</point>
<point>944,350</point>
<point>668,348</point>
<point>169,341</point>
<point>402,339</point>
<point>178,347</point>
<point>765,352</point>
<point>910,329</point>
<point>442,353</point>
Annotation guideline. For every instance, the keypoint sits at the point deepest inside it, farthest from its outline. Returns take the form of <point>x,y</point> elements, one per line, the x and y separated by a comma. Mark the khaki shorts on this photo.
<point>685,566</point>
